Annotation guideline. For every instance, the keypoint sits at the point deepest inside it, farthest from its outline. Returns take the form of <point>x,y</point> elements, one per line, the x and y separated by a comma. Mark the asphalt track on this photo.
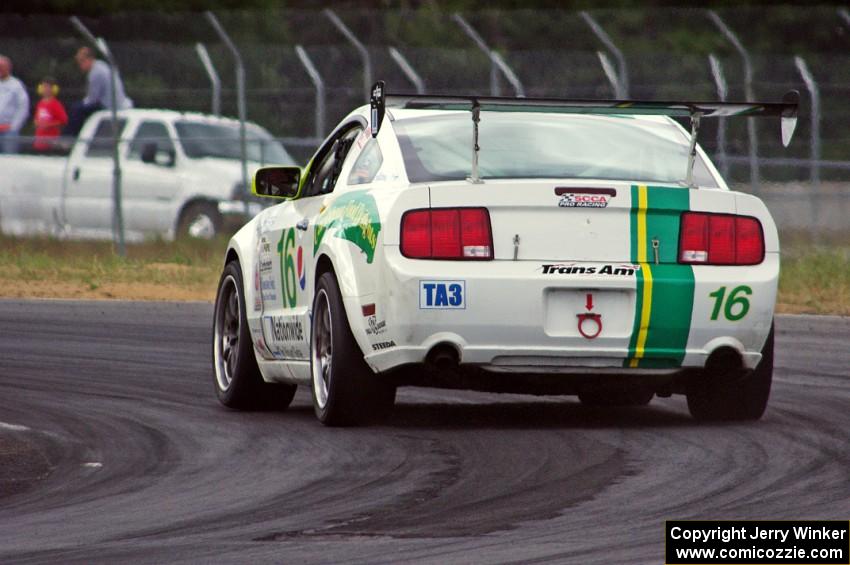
<point>122,454</point>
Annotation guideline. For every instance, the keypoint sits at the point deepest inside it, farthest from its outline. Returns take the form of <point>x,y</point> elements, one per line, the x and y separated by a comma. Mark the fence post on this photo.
<point>722,93</point>
<point>611,74</point>
<point>215,82</point>
<point>240,96</point>
<point>117,208</point>
<point>364,53</point>
<point>622,89</point>
<point>814,150</point>
<point>408,70</point>
<point>752,133</point>
<point>316,78</point>
<point>497,64</point>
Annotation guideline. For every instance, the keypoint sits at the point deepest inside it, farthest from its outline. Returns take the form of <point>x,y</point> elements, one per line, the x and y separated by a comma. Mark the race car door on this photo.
<point>286,261</point>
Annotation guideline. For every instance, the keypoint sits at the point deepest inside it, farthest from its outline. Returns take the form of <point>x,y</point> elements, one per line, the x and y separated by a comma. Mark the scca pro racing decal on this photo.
<point>664,294</point>
<point>353,217</point>
<point>285,336</point>
<point>624,270</point>
<point>584,197</point>
<point>445,295</point>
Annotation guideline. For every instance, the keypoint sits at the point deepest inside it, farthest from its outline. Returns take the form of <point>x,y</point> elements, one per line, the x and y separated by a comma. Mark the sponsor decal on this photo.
<point>445,295</point>
<point>258,301</point>
<point>381,345</point>
<point>302,272</point>
<point>291,276</point>
<point>352,217</point>
<point>284,336</point>
<point>375,326</point>
<point>584,197</point>
<point>623,270</point>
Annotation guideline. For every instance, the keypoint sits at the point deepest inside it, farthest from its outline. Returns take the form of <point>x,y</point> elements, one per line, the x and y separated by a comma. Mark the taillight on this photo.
<point>720,239</point>
<point>447,233</point>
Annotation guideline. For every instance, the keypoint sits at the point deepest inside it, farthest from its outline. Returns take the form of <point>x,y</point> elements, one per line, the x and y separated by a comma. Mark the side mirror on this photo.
<point>277,182</point>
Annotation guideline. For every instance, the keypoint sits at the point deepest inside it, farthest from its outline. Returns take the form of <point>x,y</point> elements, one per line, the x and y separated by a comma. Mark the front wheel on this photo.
<point>237,379</point>
<point>713,398</point>
<point>345,390</point>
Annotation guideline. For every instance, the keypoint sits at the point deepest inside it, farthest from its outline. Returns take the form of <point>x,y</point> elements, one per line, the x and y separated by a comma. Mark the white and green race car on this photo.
<point>516,245</point>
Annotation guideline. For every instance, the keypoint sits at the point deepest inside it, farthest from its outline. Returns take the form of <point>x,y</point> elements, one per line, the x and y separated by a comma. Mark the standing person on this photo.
<point>98,92</point>
<point>14,107</point>
<point>50,116</point>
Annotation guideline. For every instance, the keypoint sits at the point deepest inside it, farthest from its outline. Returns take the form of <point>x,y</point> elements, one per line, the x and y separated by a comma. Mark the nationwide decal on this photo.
<point>443,295</point>
<point>584,197</point>
<point>383,345</point>
<point>285,336</point>
<point>623,270</point>
<point>353,217</point>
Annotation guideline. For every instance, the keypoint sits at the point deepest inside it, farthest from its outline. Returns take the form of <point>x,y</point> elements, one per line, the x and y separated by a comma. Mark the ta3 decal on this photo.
<point>442,295</point>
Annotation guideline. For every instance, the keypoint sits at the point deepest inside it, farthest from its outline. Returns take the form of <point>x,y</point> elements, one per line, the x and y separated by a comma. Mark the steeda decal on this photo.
<point>353,217</point>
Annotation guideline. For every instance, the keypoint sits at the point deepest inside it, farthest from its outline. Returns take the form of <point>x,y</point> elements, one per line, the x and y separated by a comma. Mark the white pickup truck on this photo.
<point>181,176</point>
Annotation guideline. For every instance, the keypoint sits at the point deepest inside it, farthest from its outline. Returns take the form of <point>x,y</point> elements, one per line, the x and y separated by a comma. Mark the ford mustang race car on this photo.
<point>517,245</point>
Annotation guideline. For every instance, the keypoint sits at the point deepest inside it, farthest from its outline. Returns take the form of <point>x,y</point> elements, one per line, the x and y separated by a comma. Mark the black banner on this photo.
<point>760,542</point>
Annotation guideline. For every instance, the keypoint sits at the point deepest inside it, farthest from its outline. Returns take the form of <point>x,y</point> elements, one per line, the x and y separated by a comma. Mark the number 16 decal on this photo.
<point>737,304</point>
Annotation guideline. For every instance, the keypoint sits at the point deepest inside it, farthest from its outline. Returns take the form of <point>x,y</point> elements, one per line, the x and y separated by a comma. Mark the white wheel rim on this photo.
<point>201,227</point>
<point>321,353</point>
<point>228,322</point>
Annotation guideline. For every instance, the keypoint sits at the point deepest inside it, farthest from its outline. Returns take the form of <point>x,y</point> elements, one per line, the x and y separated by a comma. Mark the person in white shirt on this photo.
<point>98,93</point>
<point>14,107</point>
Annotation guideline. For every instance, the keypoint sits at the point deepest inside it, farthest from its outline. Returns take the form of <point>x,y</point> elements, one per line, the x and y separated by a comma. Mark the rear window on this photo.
<point>523,145</point>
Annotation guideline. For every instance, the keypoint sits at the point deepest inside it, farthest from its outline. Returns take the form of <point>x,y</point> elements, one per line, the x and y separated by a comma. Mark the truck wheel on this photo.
<point>200,220</point>
<point>345,390</point>
<point>736,400</point>
<point>612,398</point>
<point>237,379</point>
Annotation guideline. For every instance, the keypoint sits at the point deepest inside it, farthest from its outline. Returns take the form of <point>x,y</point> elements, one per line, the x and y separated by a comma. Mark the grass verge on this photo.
<point>814,279</point>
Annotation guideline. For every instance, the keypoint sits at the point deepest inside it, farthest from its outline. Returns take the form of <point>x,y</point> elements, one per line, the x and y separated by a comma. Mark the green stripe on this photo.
<point>672,284</point>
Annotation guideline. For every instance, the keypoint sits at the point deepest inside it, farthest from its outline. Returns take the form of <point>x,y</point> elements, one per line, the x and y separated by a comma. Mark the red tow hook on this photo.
<point>584,318</point>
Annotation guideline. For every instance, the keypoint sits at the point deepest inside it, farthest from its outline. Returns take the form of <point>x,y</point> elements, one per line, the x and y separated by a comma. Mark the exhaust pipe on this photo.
<point>443,357</point>
<point>724,365</point>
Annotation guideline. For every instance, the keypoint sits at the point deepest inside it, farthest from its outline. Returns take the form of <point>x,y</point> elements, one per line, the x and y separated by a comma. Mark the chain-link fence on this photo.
<point>659,53</point>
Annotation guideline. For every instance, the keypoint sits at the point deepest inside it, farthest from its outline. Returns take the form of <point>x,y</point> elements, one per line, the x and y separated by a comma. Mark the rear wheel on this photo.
<point>345,390</point>
<point>713,397</point>
<point>200,220</point>
<point>238,383</point>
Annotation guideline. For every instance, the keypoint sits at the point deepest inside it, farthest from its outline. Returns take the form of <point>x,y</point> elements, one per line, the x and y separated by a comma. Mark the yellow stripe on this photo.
<point>646,308</point>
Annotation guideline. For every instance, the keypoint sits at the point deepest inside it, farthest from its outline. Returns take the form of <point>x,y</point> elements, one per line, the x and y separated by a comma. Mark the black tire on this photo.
<point>199,220</point>
<point>742,399</point>
<point>236,376</point>
<point>619,397</point>
<point>345,390</point>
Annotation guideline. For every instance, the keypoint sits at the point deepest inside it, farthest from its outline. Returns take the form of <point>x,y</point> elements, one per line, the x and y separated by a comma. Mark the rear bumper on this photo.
<point>515,318</point>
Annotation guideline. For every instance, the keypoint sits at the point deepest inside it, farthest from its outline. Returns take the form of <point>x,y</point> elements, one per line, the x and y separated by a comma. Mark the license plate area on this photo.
<point>613,308</point>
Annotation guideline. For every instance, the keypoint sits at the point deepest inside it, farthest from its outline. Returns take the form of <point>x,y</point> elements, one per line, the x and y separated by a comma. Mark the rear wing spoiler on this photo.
<point>786,110</point>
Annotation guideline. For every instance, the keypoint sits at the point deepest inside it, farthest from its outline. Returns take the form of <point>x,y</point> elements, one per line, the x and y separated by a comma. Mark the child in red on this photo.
<point>50,116</point>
